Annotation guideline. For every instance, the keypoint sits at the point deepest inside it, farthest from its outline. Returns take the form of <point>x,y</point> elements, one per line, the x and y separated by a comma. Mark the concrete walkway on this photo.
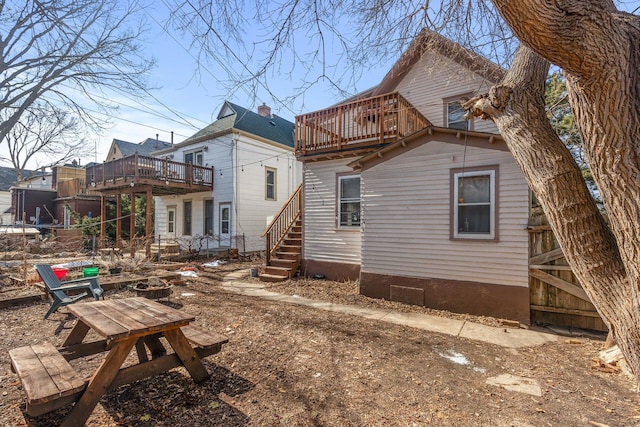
<point>505,337</point>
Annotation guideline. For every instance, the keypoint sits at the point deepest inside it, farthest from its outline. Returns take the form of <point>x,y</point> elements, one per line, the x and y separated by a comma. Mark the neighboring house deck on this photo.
<point>150,176</point>
<point>162,176</point>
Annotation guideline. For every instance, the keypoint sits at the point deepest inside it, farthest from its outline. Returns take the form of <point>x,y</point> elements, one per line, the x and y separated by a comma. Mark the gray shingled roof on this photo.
<point>8,177</point>
<point>144,148</point>
<point>272,127</point>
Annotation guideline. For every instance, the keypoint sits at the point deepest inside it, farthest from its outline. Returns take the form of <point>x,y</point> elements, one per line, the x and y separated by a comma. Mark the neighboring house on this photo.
<point>72,194</point>
<point>32,200</point>
<point>8,179</point>
<point>254,172</point>
<point>32,205</point>
<point>120,148</point>
<point>398,194</point>
<point>43,197</point>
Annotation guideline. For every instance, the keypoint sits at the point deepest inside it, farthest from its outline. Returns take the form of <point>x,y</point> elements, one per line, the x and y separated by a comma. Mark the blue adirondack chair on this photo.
<point>89,286</point>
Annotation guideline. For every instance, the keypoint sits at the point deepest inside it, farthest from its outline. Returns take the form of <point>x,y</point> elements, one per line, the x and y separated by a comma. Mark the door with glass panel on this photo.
<point>171,222</point>
<point>225,224</point>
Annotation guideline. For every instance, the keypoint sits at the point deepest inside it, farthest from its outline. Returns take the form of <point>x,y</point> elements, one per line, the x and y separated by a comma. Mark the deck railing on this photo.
<point>361,123</point>
<point>277,230</point>
<point>136,167</point>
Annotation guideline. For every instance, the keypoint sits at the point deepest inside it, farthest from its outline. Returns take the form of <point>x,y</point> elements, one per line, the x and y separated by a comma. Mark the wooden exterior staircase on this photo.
<point>283,238</point>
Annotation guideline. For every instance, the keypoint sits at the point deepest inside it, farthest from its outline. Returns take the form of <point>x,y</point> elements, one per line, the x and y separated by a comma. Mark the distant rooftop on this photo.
<point>144,148</point>
<point>8,177</point>
<point>264,125</point>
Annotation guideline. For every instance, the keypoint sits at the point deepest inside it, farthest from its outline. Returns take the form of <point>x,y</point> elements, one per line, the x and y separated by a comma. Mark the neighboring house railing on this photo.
<point>137,168</point>
<point>362,123</point>
<point>277,230</point>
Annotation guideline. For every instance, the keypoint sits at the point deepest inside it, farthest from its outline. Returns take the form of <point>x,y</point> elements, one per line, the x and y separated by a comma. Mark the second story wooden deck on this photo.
<point>356,126</point>
<point>162,175</point>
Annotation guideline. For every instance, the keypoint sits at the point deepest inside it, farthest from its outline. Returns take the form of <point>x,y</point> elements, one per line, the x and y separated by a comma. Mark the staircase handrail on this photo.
<point>282,222</point>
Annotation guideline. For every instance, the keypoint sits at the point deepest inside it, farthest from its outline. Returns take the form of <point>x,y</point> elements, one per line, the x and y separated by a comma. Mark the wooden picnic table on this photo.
<point>122,325</point>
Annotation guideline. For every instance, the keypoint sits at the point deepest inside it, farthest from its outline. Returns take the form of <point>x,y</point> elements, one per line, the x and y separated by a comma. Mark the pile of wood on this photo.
<point>611,360</point>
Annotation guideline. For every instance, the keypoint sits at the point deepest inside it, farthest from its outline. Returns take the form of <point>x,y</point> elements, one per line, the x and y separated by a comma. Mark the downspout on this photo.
<point>234,229</point>
<point>289,174</point>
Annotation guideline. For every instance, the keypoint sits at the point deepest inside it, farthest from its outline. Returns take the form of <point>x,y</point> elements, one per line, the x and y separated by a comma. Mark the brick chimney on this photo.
<point>264,110</point>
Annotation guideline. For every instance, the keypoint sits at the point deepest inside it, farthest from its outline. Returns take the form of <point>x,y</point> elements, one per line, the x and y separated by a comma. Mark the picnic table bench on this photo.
<point>50,382</point>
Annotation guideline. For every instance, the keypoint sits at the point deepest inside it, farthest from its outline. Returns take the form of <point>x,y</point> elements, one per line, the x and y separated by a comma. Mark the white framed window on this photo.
<point>474,204</point>
<point>171,220</point>
<point>270,184</point>
<point>455,116</point>
<point>348,201</point>
<point>194,157</point>
<point>225,224</point>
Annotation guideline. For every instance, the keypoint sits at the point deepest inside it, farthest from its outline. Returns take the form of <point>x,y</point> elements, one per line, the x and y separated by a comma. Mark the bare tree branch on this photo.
<point>328,42</point>
<point>62,51</point>
<point>45,131</point>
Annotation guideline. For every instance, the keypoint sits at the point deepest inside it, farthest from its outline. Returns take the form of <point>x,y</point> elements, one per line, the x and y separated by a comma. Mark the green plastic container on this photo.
<point>90,271</point>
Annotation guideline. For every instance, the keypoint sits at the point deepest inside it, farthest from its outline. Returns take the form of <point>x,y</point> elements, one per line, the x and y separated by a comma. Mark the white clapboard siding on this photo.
<point>252,209</point>
<point>435,78</point>
<point>218,155</point>
<point>323,241</point>
<point>406,204</point>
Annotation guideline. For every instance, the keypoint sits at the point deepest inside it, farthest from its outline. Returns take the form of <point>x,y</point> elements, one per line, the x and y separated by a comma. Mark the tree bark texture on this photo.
<point>598,48</point>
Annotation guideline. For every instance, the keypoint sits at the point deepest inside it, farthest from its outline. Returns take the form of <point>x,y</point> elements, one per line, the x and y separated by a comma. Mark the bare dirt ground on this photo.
<point>298,366</point>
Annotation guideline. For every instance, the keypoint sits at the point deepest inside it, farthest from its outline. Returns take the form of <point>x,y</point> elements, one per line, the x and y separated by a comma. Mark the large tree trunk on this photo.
<point>598,49</point>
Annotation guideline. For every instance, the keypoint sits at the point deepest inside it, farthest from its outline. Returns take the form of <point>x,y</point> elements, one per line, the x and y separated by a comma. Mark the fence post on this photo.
<point>268,241</point>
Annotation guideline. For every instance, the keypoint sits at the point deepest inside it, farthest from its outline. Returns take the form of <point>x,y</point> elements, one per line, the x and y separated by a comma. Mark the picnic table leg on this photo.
<point>98,384</point>
<point>187,355</point>
<point>151,342</point>
<point>77,334</point>
<point>154,345</point>
<point>141,350</point>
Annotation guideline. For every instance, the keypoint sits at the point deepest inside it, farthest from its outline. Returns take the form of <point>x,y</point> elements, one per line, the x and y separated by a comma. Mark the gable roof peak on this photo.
<point>432,42</point>
<point>234,117</point>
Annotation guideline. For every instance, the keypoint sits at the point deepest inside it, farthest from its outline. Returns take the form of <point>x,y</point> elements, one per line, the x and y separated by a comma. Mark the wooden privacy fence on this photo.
<point>556,296</point>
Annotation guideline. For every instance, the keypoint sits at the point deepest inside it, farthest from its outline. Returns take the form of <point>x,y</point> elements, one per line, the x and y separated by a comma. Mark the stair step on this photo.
<point>288,255</point>
<point>273,278</point>
<point>292,235</point>
<point>290,248</point>
<point>277,271</point>
<point>286,263</point>
<point>293,242</point>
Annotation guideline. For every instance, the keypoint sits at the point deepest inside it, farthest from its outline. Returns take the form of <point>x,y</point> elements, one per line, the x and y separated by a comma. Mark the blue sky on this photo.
<point>188,98</point>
